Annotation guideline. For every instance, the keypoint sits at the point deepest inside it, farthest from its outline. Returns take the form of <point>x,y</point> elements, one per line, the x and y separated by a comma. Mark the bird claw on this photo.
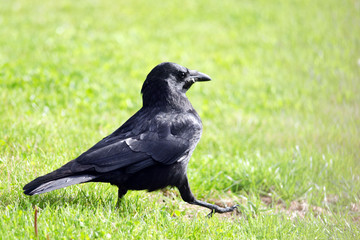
<point>211,213</point>
<point>223,210</point>
<point>234,207</point>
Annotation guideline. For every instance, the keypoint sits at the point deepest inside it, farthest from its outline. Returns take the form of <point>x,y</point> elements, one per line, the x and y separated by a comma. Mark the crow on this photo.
<point>150,151</point>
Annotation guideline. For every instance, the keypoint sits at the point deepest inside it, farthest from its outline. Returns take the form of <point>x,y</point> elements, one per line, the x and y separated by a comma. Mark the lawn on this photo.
<point>281,116</point>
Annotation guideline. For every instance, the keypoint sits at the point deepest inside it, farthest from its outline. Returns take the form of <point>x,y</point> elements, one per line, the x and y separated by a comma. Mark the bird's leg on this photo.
<point>188,197</point>
<point>121,193</point>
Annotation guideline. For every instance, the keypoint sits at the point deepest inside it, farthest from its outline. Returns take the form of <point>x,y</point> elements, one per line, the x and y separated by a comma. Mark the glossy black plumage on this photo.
<point>149,151</point>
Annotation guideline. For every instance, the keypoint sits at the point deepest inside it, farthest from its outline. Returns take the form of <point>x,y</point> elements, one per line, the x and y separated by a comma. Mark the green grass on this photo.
<point>281,116</point>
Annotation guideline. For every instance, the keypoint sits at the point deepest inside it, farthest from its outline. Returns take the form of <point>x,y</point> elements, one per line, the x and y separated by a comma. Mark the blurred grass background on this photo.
<point>281,116</point>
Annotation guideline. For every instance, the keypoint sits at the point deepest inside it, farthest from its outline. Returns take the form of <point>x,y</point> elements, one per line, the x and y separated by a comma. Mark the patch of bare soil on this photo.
<point>355,210</point>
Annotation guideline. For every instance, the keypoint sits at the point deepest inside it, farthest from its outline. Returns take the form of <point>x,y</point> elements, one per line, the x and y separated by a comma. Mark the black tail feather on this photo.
<point>37,187</point>
<point>60,178</point>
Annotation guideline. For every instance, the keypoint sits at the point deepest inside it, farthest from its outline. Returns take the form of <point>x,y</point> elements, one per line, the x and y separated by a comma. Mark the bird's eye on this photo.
<point>182,75</point>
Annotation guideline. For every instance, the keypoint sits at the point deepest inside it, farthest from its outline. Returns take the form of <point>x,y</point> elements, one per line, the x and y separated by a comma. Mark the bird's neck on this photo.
<point>168,100</point>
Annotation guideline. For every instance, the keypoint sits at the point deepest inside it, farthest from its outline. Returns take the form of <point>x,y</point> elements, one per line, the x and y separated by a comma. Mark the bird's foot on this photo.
<point>218,209</point>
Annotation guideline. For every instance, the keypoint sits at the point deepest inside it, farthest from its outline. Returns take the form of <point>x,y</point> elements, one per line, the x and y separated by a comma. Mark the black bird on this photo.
<point>151,150</point>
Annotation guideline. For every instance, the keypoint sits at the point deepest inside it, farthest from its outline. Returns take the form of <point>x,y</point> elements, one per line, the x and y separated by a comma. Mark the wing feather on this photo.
<point>164,139</point>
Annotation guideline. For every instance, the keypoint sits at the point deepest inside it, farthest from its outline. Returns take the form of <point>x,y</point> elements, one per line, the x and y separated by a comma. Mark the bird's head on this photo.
<point>169,79</point>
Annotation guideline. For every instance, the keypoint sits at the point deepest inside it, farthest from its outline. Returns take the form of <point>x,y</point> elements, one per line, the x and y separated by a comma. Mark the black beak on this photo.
<point>199,76</point>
